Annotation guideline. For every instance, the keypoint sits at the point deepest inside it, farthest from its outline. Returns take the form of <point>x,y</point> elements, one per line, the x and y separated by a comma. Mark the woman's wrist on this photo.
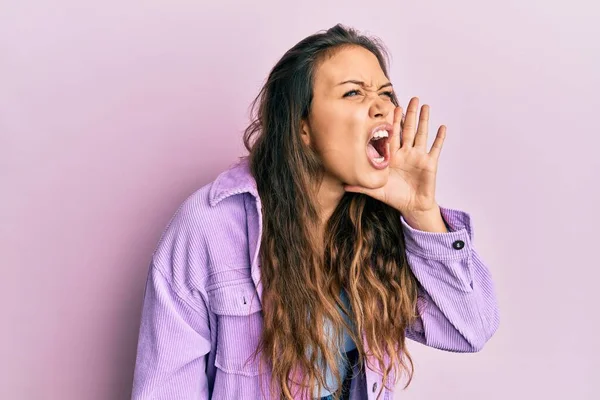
<point>427,221</point>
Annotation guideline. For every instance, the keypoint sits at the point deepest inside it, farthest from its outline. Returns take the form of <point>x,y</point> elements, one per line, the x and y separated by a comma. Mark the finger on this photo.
<point>436,148</point>
<point>396,129</point>
<point>421,135</point>
<point>408,132</point>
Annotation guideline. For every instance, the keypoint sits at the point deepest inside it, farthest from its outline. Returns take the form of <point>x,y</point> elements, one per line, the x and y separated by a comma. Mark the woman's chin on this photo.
<point>374,179</point>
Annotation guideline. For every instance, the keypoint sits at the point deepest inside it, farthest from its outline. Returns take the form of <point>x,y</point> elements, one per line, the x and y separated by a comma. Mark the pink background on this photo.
<point>113,112</point>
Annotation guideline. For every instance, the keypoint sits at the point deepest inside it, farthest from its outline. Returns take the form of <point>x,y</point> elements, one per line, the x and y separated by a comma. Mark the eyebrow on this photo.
<point>361,83</point>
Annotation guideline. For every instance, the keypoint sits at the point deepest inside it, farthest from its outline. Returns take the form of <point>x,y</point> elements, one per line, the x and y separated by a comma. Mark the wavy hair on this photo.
<point>302,273</point>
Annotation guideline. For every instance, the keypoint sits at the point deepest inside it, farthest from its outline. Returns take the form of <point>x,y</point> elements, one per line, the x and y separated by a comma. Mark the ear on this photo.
<point>305,132</point>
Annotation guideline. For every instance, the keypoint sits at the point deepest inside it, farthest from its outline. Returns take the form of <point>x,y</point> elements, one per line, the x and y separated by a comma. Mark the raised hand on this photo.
<point>412,170</point>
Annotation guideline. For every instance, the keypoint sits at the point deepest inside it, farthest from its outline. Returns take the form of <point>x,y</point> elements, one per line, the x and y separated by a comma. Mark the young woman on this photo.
<point>300,271</point>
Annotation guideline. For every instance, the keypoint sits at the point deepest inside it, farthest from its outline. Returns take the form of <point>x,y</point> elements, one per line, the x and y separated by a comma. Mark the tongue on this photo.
<point>372,152</point>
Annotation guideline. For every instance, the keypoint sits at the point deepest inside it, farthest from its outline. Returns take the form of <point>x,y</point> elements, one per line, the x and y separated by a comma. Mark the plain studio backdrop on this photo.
<point>113,112</point>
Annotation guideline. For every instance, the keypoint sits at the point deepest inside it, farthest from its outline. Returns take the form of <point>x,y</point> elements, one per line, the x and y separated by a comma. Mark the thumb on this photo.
<point>396,130</point>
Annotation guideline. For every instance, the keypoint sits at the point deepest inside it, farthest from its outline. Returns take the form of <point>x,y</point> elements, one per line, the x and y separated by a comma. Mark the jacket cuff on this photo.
<point>454,244</point>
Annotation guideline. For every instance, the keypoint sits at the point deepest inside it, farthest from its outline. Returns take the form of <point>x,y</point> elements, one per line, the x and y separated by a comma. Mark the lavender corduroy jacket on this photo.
<point>201,317</point>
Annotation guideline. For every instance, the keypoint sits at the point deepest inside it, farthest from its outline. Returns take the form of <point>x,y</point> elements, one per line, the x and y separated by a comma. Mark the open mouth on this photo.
<point>378,148</point>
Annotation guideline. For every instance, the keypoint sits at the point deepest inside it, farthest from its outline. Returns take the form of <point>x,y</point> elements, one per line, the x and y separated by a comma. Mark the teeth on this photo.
<point>379,159</point>
<point>380,134</point>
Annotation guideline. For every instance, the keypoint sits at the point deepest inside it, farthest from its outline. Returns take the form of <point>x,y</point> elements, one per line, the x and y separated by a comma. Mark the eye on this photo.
<point>347,94</point>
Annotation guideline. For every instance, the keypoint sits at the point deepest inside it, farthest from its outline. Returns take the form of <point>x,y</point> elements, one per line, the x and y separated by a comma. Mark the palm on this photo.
<point>411,184</point>
<point>412,170</point>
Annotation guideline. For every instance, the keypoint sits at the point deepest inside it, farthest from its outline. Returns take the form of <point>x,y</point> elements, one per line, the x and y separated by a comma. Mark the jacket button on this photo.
<point>459,244</point>
<point>374,387</point>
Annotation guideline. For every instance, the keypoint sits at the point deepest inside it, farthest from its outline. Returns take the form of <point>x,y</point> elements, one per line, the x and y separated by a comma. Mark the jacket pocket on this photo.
<point>239,327</point>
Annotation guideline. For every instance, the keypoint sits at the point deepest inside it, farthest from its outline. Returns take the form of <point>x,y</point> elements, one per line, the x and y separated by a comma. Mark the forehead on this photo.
<point>347,63</point>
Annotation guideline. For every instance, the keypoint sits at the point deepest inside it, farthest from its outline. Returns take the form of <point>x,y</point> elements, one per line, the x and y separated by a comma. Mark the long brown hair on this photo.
<point>303,273</point>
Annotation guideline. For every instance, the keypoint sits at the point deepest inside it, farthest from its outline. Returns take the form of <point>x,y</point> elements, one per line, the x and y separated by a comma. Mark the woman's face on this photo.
<point>351,100</point>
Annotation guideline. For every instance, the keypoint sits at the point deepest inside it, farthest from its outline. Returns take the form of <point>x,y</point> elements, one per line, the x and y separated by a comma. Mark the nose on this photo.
<point>379,108</point>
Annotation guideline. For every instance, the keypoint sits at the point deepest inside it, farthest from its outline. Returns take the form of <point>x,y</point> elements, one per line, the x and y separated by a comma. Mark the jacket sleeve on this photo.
<point>456,302</point>
<point>174,340</point>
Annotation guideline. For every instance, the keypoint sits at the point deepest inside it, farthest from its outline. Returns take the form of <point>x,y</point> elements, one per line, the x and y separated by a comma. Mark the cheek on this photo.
<point>339,134</point>
<point>338,141</point>
<point>340,130</point>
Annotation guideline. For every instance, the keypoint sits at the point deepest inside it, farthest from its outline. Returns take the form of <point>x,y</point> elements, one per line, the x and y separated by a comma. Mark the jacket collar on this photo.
<point>235,180</point>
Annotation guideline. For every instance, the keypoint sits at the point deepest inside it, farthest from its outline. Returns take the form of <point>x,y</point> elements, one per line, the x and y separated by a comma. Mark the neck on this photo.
<point>329,195</point>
